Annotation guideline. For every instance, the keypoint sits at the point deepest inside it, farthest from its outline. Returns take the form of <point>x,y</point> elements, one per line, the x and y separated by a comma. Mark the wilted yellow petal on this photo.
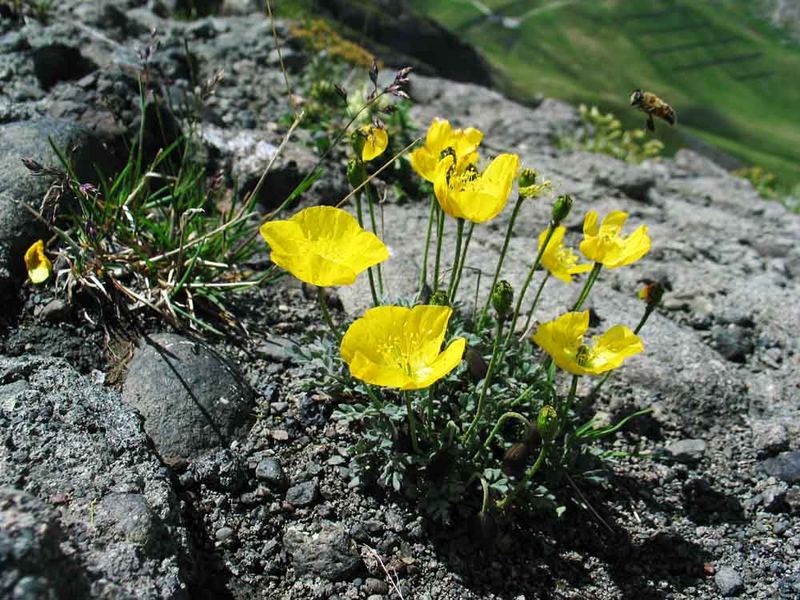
<point>323,246</point>
<point>398,347</point>
<point>36,262</point>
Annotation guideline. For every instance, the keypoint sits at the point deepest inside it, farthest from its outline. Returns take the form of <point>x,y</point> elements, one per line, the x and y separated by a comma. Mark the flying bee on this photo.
<point>652,105</point>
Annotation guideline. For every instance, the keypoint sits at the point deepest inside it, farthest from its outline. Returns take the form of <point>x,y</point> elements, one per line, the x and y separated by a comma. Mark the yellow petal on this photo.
<point>611,349</point>
<point>634,247</point>
<point>36,262</point>
<point>561,338</point>
<point>398,347</point>
<point>375,142</point>
<point>323,246</point>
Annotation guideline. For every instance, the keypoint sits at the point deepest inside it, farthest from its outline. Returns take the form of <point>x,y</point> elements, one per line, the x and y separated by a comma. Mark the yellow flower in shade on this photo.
<point>323,246</point>
<point>477,197</point>
<point>39,266</point>
<point>441,136</point>
<point>603,243</point>
<point>375,141</point>
<point>398,347</point>
<point>562,339</point>
<point>561,261</point>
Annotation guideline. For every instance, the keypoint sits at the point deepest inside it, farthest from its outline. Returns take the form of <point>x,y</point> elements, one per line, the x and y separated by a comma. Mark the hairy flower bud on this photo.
<point>502,298</point>
<point>356,173</point>
<point>476,365</point>
<point>547,423</point>
<point>651,293</point>
<point>561,208</point>
<point>440,298</point>
<point>527,178</point>
<point>357,140</point>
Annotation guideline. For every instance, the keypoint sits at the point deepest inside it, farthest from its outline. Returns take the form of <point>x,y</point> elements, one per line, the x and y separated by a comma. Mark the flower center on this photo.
<point>582,355</point>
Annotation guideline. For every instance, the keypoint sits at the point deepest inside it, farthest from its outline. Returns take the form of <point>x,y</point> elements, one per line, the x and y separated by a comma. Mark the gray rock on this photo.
<point>303,494</point>
<point>376,586</point>
<point>687,451</point>
<point>193,400</point>
<point>126,516</point>
<point>330,553</point>
<point>270,471</point>
<point>246,154</point>
<point>58,62</point>
<point>734,342</point>
<point>792,500</point>
<point>785,466</point>
<point>769,437</point>
<point>29,139</point>
<point>79,446</point>
<point>774,498</point>
<point>728,581</point>
<point>34,551</point>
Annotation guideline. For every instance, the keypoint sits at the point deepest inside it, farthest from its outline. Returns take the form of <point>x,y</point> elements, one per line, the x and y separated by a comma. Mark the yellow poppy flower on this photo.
<point>561,261</point>
<point>562,339</point>
<point>604,244</point>
<point>477,197</point>
<point>375,142</point>
<point>398,347</point>
<point>440,137</point>
<point>39,266</point>
<point>323,246</point>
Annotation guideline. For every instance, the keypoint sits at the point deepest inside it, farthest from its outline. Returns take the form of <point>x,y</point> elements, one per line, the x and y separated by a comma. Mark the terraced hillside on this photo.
<point>734,79</point>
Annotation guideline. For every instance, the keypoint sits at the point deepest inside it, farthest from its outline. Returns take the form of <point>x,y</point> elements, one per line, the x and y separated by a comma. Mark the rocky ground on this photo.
<point>157,465</point>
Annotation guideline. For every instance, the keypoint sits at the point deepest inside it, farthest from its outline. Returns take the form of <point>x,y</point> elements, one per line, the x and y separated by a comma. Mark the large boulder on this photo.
<point>192,399</point>
<point>86,507</point>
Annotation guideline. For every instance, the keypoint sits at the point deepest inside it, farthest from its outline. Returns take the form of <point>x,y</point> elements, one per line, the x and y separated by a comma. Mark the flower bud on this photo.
<point>547,423</point>
<point>651,293</point>
<point>515,458</point>
<point>357,140</point>
<point>527,177</point>
<point>502,298</point>
<point>356,173</point>
<point>476,365</point>
<point>561,208</point>
<point>440,298</point>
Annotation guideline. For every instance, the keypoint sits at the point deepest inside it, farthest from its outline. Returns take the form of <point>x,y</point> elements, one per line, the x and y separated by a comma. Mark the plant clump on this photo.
<point>604,134</point>
<point>455,407</point>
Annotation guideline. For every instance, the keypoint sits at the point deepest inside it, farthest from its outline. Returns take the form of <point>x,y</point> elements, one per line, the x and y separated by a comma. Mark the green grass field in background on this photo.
<point>734,80</point>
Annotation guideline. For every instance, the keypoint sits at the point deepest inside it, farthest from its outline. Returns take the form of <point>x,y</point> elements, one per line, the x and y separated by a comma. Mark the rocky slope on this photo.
<point>261,500</point>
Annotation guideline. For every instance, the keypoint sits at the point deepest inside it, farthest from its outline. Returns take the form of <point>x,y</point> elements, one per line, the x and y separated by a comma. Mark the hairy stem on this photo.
<point>500,261</point>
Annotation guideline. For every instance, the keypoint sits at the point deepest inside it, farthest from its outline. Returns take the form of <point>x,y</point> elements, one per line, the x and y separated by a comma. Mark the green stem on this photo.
<point>423,277</point>
<point>325,312</point>
<point>485,488</point>
<point>439,239</point>
<point>500,261</point>
<point>456,258</point>
<point>372,199</point>
<point>529,475</point>
<point>587,287</point>
<point>462,262</point>
<point>503,418</point>
<point>412,423</point>
<point>487,382</point>
<point>550,229</point>
<point>429,409</point>
<point>535,302</point>
<point>360,216</point>
<point>565,408</point>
